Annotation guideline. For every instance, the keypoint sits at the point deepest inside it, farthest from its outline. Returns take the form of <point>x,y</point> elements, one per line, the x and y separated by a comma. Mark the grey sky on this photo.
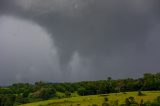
<point>74,40</point>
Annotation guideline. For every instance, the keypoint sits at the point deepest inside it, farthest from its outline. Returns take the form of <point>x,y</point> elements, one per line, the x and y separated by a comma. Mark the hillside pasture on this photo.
<point>97,99</point>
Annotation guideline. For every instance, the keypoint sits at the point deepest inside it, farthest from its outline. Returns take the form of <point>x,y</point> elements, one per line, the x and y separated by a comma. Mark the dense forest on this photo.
<point>21,93</point>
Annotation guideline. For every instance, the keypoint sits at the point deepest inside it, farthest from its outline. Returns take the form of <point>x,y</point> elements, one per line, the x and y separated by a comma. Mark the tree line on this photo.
<point>21,93</point>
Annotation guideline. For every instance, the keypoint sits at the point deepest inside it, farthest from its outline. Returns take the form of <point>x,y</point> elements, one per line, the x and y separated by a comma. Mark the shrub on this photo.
<point>130,101</point>
<point>45,93</point>
<point>140,93</point>
<point>124,93</point>
<point>94,105</point>
<point>141,103</point>
<point>105,99</point>
<point>67,93</point>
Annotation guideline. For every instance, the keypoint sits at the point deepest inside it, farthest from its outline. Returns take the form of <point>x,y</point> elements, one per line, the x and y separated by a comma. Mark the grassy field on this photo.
<point>96,99</point>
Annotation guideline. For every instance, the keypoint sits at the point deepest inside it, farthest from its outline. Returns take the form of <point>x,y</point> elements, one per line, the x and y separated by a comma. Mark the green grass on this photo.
<point>96,99</point>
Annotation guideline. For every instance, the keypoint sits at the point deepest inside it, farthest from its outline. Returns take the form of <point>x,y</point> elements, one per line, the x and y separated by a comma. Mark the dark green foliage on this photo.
<point>141,103</point>
<point>130,102</point>
<point>82,91</point>
<point>7,100</point>
<point>140,93</point>
<point>21,100</point>
<point>45,93</point>
<point>124,93</point>
<point>105,99</point>
<point>68,94</point>
<point>127,102</point>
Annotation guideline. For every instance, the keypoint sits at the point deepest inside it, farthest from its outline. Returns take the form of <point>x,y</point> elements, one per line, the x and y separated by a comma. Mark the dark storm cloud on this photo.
<point>97,38</point>
<point>27,52</point>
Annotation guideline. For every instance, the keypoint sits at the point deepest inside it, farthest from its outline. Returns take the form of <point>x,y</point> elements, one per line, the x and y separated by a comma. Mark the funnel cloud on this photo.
<point>75,40</point>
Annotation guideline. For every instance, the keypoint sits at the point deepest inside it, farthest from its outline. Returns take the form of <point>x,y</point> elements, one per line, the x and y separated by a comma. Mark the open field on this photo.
<point>96,99</point>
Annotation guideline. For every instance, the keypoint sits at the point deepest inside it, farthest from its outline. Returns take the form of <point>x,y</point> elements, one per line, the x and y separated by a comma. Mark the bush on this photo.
<point>130,101</point>
<point>105,99</point>
<point>124,93</point>
<point>67,93</point>
<point>141,103</point>
<point>140,93</point>
<point>94,105</point>
<point>45,93</point>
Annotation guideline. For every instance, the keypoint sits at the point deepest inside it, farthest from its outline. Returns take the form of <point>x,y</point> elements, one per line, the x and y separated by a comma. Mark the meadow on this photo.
<point>97,99</point>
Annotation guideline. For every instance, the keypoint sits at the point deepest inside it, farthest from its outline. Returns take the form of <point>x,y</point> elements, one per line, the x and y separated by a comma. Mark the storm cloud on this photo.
<point>84,39</point>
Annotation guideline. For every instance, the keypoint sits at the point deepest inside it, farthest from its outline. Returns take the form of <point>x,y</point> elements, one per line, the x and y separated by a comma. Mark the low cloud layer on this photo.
<point>88,39</point>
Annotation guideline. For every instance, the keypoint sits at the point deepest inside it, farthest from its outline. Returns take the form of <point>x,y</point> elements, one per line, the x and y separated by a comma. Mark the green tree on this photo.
<point>81,91</point>
<point>67,93</point>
